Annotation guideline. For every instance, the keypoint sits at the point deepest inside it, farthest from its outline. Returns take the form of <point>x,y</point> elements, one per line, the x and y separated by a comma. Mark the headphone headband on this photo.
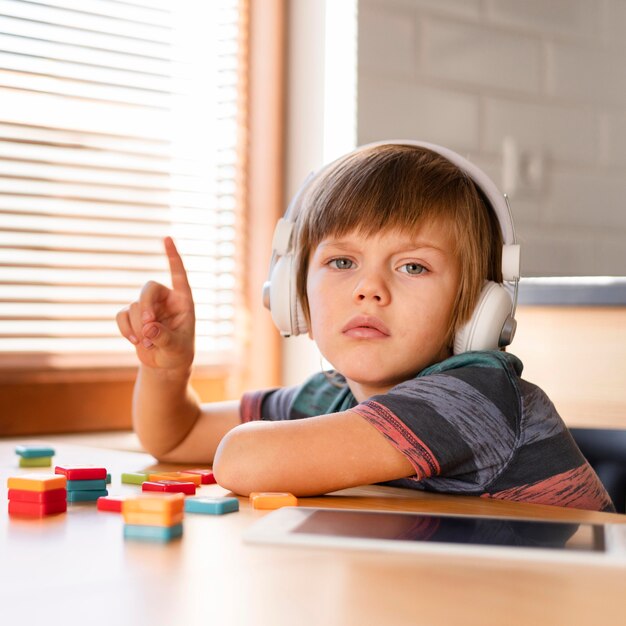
<point>497,200</point>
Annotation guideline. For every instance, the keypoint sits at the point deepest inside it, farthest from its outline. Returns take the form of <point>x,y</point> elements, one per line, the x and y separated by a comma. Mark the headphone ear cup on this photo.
<point>286,311</point>
<point>484,329</point>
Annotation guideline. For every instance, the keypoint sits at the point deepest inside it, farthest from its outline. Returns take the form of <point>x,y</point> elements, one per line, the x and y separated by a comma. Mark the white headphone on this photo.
<point>492,324</point>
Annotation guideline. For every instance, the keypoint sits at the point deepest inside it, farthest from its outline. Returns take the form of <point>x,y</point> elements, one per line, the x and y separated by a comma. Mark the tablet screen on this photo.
<point>453,529</point>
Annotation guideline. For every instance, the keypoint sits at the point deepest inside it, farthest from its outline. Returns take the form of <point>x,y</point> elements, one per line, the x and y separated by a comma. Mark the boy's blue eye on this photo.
<point>341,264</point>
<point>414,269</point>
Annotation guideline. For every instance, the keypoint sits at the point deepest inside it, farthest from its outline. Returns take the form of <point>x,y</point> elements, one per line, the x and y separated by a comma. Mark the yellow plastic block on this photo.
<point>40,461</point>
<point>155,503</point>
<point>272,500</point>
<point>152,519</point>
<point>37,482</point>
<point>196,479</point>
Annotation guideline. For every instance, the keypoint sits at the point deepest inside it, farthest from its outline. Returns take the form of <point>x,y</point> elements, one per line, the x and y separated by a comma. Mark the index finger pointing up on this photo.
<point>177,268</point>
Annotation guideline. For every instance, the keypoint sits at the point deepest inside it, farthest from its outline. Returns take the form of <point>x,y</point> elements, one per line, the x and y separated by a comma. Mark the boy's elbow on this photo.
<point>231,466</point>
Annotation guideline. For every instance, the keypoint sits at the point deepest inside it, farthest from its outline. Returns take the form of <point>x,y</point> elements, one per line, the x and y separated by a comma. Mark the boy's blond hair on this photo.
<point>401,187</point>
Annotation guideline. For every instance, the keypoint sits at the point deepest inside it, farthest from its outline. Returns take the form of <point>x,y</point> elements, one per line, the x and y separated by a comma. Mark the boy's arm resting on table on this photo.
<point>307,457</point>
<point>172,424</point>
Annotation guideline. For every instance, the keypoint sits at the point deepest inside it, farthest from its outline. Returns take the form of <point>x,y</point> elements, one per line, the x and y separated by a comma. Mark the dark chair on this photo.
<point>605,449</point>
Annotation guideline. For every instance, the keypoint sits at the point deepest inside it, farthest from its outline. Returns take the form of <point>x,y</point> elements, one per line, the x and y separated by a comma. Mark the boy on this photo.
<point>392,246</point>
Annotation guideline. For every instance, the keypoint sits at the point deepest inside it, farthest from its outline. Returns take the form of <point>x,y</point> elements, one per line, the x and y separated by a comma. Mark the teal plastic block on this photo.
<point>34,452</point>
<point>86,485</point>
<point>86,496</point>
<point>211,506</point>
<point>108,478</point>
<point>152,533</point>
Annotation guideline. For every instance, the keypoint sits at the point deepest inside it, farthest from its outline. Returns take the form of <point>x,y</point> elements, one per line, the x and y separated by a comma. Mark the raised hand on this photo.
<point>161,324</point>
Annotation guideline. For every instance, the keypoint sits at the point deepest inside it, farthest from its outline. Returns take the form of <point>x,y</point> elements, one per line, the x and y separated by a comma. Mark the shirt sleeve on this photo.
<point>267,404</point>
<point>460,424</point>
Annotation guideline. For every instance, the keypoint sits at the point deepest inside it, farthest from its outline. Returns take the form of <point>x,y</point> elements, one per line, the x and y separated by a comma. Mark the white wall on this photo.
<point>321,119</point>
<point>546,77</point>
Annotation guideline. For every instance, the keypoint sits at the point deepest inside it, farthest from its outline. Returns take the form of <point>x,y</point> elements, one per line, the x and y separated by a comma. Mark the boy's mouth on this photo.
<point>365,327</point>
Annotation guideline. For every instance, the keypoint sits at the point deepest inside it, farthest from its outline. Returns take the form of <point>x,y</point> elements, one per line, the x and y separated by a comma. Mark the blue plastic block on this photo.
<point>86,496</point>
<point>34,452</point>
<point>211,506</point>
<point>152,533</point>
<point>87,485</point>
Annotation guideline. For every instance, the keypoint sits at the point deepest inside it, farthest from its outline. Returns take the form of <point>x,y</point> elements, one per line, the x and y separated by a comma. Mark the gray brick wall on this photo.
<point>545,75</point>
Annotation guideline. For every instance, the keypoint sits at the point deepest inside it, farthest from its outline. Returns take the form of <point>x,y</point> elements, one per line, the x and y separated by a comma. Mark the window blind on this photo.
<point>120,123</point>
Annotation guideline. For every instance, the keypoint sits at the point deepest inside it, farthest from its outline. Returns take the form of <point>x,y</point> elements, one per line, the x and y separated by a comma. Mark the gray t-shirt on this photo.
<point>469,425</point>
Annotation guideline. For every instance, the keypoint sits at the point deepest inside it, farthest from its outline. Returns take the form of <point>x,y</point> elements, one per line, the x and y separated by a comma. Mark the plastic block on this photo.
<point>155,502</point>
<point>111,503</point>
<point>152,533</point>
<point>108,478</point>
<point>86,496</point>
<point>38,461</point>
<point>152,519</point>
<point>182,476</point>
<point>86,485</point>
<point>81,472</point>
<point>134,478</point>
<point>206,476</point>
<point>271,500</point>
<point>37,509</point>
<point>33,452</point>
<point>211,506</point>
<point>169,486</point>
<point>37,482</point>
<point>54,495</point>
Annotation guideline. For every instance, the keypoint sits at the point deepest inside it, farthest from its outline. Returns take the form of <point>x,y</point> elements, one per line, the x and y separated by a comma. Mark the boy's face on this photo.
<point>380,306</point>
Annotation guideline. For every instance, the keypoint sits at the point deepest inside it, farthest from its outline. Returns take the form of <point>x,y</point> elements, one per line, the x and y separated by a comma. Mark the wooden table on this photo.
<point>76,568</point>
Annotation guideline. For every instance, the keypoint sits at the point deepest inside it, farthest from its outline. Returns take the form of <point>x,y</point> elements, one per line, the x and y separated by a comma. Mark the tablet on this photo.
<point>453,534</point>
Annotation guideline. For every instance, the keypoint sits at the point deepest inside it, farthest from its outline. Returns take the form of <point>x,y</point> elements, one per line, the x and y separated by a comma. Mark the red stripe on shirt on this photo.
<point>578,488</point>
<point>402,438</point>
<point>250,406</point>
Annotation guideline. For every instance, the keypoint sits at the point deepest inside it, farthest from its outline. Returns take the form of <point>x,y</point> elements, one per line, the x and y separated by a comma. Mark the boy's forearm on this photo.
<point>165,408</point>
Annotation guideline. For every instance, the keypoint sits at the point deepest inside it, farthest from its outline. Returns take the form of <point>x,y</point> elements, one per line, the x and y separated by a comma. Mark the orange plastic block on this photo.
<point>206,475</point>
<point>140,518</point>
<point>155,503</point>
<point>272,500</point>
<point>37,482</point>
<point>180,476</point>
<point>37,509</point>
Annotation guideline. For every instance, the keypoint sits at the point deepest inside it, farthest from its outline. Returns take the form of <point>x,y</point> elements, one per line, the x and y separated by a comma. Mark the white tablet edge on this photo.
<point>276,526</point>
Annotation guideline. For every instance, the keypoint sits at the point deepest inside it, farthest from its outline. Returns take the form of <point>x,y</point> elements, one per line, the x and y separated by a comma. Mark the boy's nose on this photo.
<point>372,288</point>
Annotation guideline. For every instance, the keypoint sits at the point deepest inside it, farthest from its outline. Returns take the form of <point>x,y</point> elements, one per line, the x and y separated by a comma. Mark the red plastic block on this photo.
<point>112,503</point>
<point>169,486</point>
<point>206,475</point>
<point>36,509</point>
<point>42,497</point>
<point>81,472</point>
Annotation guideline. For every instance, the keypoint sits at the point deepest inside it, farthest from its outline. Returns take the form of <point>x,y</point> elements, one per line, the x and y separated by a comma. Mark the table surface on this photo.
<point>76,568</point>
